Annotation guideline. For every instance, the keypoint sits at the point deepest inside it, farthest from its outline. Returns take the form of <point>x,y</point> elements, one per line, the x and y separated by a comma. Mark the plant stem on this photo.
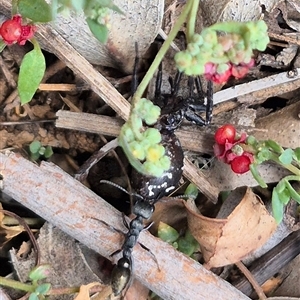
<point>290,167</point>
<point>161,53</point>
<point>192,20</point>
<point>14,7</point>
<point>16,284</point>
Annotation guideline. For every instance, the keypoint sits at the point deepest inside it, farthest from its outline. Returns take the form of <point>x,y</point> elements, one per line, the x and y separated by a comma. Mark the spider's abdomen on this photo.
<point>153,188</point>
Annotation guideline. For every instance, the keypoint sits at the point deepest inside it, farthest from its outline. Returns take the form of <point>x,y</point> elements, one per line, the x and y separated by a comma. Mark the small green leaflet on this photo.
<point>277,207</point>
<point>35,10</point>
<point>287,156</point>
<point>31,73</point>
<point>98,30</point>
<point>2,46</point>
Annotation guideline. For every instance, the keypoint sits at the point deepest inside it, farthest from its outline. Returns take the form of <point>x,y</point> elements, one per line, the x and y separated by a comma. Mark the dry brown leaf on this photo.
<point>7,232</point>
<point>170,211</point>
<point>84,292</point>
<point>228,240</point>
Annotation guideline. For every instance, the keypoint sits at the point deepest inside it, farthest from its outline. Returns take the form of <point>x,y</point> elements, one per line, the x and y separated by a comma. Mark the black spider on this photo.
<point>189,108</point>
<point>150,188</point>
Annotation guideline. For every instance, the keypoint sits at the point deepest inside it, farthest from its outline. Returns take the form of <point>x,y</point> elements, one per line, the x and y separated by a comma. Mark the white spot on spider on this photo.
<point>150,188</point>
<point>170,189</point>
<point>169,175</point>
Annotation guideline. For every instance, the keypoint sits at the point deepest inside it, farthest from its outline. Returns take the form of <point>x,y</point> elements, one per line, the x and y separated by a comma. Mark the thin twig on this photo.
<point>260,293</point>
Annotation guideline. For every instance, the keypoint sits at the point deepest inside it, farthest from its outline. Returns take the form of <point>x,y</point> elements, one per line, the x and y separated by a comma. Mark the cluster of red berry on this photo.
<point>12,31</point>
<point>232,149</point>
<point>237,71</point>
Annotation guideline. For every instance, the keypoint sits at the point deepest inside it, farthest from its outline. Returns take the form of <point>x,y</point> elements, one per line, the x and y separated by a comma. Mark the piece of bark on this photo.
<point>271,262</point>
<point>282,126</point>
<point>63,201</point>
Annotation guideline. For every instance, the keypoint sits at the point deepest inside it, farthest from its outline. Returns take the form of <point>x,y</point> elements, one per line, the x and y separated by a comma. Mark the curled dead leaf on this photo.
<point>84,291</point>
<point>170,211</point>
<point>228,239</point>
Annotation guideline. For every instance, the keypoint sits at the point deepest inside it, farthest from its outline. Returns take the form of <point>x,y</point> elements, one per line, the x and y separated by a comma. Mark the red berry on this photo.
<point>225,134</point>
<point>240,164</point>
<point>11,31</point>
<point>211,74</point>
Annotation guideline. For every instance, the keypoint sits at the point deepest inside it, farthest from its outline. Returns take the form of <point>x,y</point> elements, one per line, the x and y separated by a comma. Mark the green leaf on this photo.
<point>257,177</point>
<point>285,196</point>
<point>117,9</point>
<point>191,191</point>
<point>43,288</point>
<point>35,156</point>
<point>293,193</point>
<point>263,155</point>
<point>167,233</point>
<point>109,4</point>
<point>35,146</point>
<point>186,246</point>
<point>189,237</point>
<point>31,73</point>
<point>48,152</point>
<point>42,150</point>
<point>277,207</point>
<point>98,30</point>
<point>2,45</point>
<point>33,296</point>
<point>287,156</point>
<point>35,10</point>
<point>39,272</point>
<point>274,146</point>
<point>78,5</point>
<point>297,154</point>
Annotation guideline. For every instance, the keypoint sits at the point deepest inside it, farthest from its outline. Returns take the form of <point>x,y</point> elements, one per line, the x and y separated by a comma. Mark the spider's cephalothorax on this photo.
<point>150,188</point>
<point>176,108</point>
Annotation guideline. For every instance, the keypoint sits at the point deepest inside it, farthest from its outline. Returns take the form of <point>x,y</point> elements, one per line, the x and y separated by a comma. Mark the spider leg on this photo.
<point>210,101</point>
<point>193,117</point>
<point>196,103</point>
<point>175,84</point>
<point>134,82</point>
<point>209,95</point>
<point>158,83</point>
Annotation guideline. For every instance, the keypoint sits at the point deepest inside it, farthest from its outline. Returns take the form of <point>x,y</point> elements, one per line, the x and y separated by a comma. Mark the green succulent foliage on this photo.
<point>42,289</point>
<point>284,191</point>
<point>167,233</point>
<point>35,296</point>
<point>297,154</point>
<point>235,47</point>
<point>142,146</point>
<point>257,177</point>
<point>274,146</point>
<point>277,206</point>
<point>39,272</point>
<point>36,150</point>
<point>97,14</point>
<point>287,156</point>
<point>191,191</point>
<point>187,244</point>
